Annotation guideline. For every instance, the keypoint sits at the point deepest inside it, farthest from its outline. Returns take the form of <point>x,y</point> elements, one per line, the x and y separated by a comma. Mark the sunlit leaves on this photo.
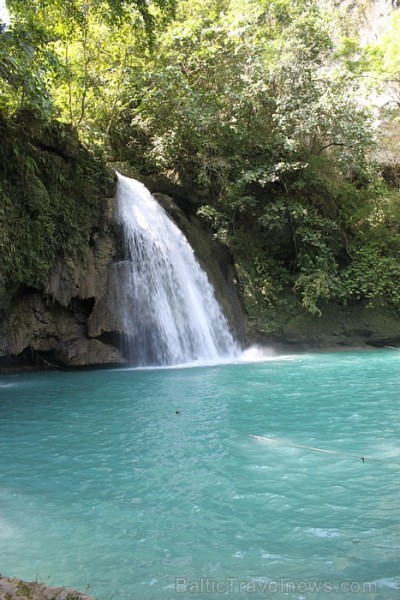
<point>254,104</point>
<point>65,50</point>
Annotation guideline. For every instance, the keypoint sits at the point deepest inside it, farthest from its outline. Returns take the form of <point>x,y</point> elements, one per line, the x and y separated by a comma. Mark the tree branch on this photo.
<point>329,145</point>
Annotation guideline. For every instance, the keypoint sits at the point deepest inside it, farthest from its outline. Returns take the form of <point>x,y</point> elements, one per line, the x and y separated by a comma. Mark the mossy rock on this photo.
<point>53,198</point>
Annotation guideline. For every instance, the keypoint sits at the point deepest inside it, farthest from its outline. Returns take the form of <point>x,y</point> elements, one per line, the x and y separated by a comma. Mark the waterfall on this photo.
<point>172,316</point>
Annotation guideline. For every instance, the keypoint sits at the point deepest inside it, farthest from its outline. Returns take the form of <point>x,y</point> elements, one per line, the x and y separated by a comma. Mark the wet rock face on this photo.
<point>64,297</point>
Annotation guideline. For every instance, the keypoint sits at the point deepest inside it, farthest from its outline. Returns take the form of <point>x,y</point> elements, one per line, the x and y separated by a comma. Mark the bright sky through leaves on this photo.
<point>4,16</point>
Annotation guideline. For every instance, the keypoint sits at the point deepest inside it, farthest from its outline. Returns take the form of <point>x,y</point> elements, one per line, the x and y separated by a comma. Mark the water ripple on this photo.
<point>102,483</point>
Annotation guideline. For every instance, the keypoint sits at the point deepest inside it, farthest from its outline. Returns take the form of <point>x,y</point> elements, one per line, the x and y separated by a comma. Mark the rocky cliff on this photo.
<point>63,268</point>
<point>63,271</point>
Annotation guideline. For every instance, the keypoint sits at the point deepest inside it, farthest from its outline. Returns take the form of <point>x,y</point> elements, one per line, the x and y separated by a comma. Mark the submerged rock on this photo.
<point>15,589</point>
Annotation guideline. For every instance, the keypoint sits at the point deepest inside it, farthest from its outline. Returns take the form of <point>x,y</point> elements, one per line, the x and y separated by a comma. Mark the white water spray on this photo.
<point>172,316</point>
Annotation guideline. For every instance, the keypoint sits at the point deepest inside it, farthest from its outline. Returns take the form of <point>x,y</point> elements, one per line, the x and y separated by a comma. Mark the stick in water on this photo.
<point>314,449</point>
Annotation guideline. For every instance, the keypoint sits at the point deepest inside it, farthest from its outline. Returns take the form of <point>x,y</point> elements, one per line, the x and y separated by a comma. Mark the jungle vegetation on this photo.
<point>267,108</point>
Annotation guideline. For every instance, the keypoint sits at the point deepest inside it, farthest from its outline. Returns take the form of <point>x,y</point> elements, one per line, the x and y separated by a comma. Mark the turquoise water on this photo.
<point>103,486</point>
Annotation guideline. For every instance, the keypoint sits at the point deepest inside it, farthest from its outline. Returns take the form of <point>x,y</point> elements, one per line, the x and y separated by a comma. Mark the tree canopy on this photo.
<point>261,105</point>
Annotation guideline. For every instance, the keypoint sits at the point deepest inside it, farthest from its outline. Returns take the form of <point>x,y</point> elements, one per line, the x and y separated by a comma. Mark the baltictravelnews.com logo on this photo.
<point>211,585</point>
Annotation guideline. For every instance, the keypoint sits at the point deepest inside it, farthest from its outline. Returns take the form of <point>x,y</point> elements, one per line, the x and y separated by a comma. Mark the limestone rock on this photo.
<point>31,324</point>
<point>83,352</point>
<point>15,589</point>
<point>84,278</point>
<point>339,327</point>
<point>107,315</point>
<point>55,329</point>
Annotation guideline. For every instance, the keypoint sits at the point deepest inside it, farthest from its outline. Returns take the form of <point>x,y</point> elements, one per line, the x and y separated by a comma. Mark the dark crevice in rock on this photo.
<point>52,150</point>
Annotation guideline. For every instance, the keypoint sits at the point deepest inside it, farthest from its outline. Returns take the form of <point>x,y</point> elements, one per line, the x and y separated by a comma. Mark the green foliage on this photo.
<point>218,222</point>
<point>25,63</point>
<point>312,256</point>
<point>62,57</point>
<point>50,200</point>
<point>374,277</point>
<point>254,103</point>
<point>373,274</point>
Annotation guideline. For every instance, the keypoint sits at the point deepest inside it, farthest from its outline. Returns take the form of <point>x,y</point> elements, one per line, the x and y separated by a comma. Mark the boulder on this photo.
<point>83,352</point>
<point>15,589</point>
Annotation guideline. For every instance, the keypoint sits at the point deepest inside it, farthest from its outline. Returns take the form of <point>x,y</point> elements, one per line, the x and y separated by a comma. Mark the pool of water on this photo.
<point>103,487</point>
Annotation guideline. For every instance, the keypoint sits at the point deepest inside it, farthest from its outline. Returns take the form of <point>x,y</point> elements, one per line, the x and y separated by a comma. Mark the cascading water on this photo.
<point>172,315</point>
